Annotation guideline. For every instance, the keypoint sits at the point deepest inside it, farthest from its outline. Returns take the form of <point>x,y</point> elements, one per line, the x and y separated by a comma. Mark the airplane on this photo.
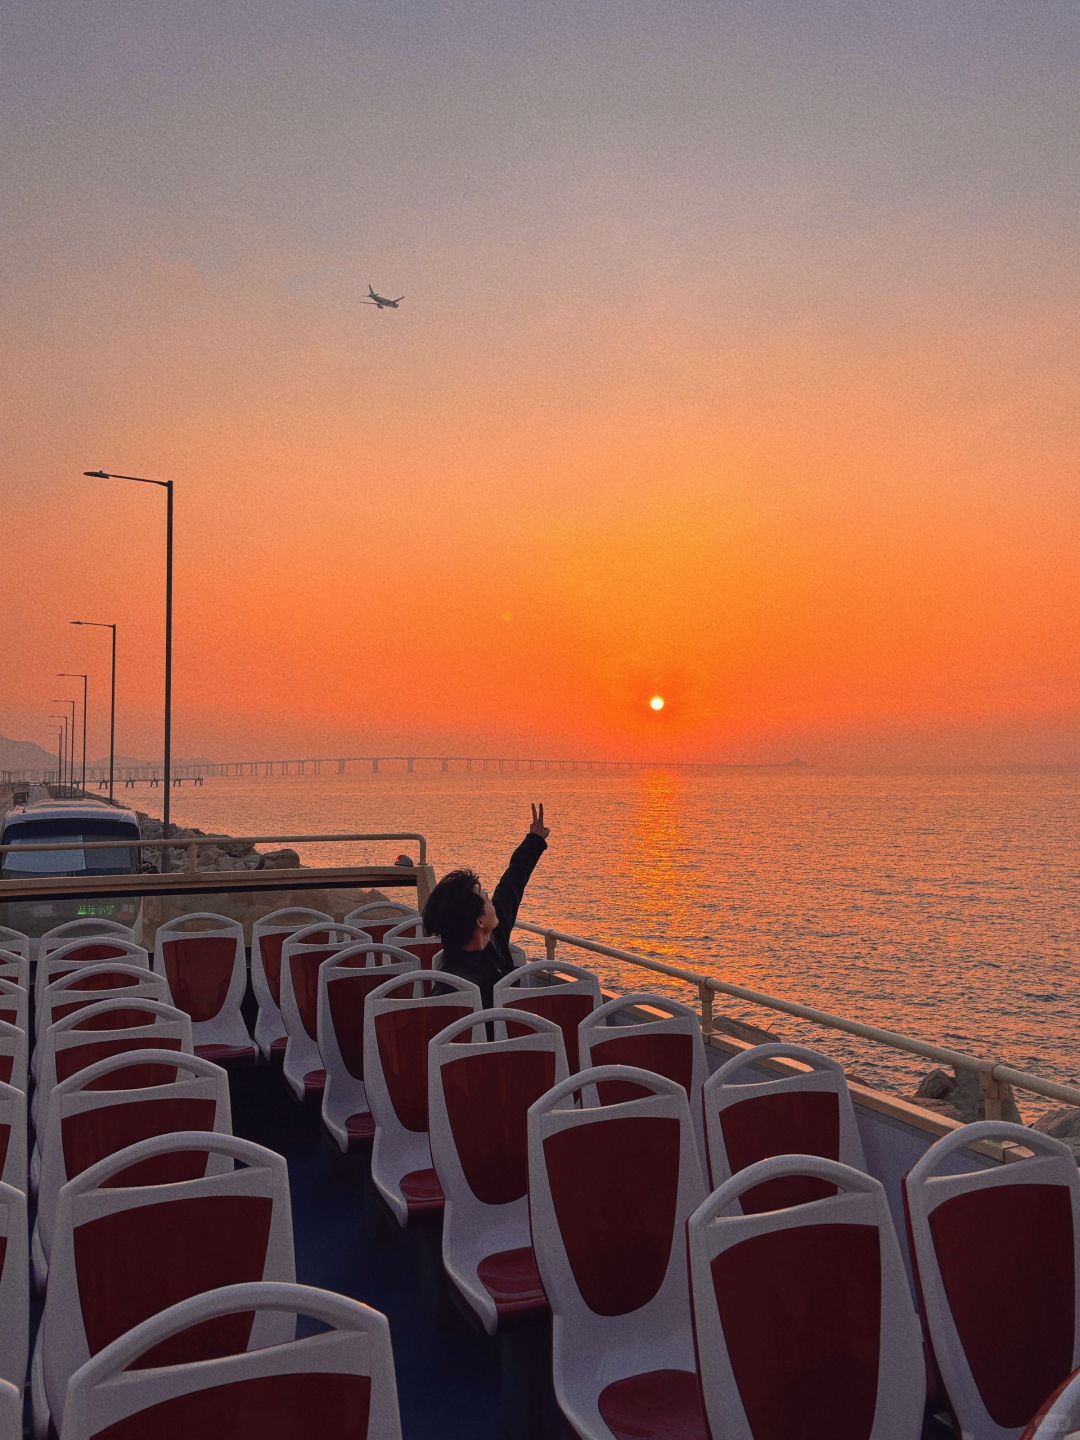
<point>381,301</point>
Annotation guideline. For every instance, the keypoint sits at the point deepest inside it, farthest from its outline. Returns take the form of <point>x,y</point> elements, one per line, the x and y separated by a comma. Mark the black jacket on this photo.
<point>484,967</point>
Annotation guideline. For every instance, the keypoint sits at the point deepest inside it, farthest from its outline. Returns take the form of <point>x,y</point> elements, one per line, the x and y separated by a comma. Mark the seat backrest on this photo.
<point>668,1043</point>
<point>748,1118</point>
<point>1059,1418</point>
<point>122,1253</point>
<point>15,942</point>
<point>335,1385</point>
<point>267,937</point>
<point>202,959</point>
<point>400,1019</point>
<point>82,929</point>
<point>426,948</point>
<point>108,1027</point>
<point>96,1112</point>
<point>14,966</point>
<point>611,1187</point>
<point>378,917</point>
<point>301,955</point>
<point>14,1003</point>
<point>87,984</point>
<point>14,1049</point>
<point>89,950</point>
<point>803,1319</point>
<point>485,1071</point>
<point>563,993</point>
<point>411,928</point>
<point>12,1136</point>
<point>345,981</point>
<point>997,1259</point>
<point>14,1285</point>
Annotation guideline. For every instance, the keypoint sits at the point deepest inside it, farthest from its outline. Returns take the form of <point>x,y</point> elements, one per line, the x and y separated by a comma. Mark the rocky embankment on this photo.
<point>229,854</point>
<point>959,1096</point>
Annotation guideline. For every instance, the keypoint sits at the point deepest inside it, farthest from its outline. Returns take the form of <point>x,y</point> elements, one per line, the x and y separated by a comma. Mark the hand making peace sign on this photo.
<point>538,827</point>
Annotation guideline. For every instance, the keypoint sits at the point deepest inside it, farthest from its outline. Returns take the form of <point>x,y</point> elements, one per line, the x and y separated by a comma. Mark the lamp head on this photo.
<point>97,474</point>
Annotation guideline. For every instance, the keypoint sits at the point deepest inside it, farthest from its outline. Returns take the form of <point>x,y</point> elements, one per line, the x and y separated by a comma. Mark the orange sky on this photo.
<point>735,366</point>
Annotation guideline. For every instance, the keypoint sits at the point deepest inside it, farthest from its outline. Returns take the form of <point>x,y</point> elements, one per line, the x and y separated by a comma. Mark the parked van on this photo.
<point>77,824</point>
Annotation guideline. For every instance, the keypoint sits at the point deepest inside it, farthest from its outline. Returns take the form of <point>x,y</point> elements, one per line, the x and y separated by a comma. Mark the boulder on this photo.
<point>960,1095</point>
<point>280,860</point>
<point>1063,1123</point>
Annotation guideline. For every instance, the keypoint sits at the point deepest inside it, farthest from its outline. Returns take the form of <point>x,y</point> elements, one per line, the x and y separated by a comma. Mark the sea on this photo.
<point>944,905</point>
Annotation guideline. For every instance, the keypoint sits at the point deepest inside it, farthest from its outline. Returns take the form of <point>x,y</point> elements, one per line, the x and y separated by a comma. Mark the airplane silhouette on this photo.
<point>381,301</point>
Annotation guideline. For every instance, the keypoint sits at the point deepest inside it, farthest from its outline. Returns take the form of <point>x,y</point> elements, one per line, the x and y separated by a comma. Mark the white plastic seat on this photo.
<point>204,964</point>
<point>11,1408</point>
<point>617,1033</point>
<point>14,1003</point>
<point>14,1286</point>
<point>16,942</point>
<point>997,1254</point>
<point>748,1119</point>
<point>121,1254</point>
<point>108,1027</point>
<point>13,1137</point>
<point>339,1382</point>
<point>379,916</point>
<point>80,929</point>
<point>409,935</point>
<point>563,993</point>
<point>89,950</point>
<point>1059,1418</point>
<point>345,982</point>
<point>611,1188</point>
<point>14,1046</point>
<point>301,955</point>
<point>267,937</point>
<point>400,1017</point>
<point>803,1315</point>
<point>480,1090</point>
<point>15,966</point>
<point>97,1111</point>
<point>88,984</point>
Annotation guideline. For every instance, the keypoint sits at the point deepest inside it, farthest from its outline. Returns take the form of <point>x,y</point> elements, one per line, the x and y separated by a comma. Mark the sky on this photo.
<point>738,365</point>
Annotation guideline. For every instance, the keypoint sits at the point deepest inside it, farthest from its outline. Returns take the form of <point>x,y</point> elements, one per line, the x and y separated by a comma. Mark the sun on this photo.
<point>656,703</point>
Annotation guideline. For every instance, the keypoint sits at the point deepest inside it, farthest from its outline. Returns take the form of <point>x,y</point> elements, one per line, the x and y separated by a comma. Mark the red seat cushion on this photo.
<point>315,1082</point>
<point>512,1280</point>
<point>361,1126</point>
<point>422,1190</point>
<point>659,1405</point>
<point>279,1046</point>
<point>228,1054</point>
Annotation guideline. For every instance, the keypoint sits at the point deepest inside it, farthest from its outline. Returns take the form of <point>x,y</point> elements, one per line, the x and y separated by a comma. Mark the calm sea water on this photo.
<point>944,905</point>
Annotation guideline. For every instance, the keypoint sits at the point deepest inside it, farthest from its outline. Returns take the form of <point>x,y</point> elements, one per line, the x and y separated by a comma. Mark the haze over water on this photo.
<point>940,904</point>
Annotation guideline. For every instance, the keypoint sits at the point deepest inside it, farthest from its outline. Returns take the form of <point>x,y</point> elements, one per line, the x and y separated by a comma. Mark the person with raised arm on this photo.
<point>474,926</point>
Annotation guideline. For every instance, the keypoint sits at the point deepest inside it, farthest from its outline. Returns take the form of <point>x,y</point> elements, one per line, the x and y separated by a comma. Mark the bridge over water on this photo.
<point>131,775</point>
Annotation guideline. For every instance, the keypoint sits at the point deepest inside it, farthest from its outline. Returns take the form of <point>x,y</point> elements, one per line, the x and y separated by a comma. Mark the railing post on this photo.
<point>705,996</point>
<point>994,1092</point>
<point>192,855</point>
<point>549,947</point>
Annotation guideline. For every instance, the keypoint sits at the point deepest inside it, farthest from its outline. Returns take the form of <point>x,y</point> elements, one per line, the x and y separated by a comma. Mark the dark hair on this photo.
<point>454,907</point>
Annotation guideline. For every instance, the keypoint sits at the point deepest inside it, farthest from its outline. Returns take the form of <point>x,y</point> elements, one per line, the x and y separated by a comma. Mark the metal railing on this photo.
<point>994,1075</point>
<point>192,843</point>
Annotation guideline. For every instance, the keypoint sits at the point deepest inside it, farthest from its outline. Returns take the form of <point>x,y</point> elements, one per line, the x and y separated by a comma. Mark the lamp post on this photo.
<point>78,675</point>
<point>63,764</point>
<point>71,732</point>
<point>107,625</point>
<point>167,486</point>
<point>59,753</point>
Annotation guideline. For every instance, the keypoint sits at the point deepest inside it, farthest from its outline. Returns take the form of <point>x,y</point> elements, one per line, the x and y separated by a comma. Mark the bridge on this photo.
<point>129,776</point>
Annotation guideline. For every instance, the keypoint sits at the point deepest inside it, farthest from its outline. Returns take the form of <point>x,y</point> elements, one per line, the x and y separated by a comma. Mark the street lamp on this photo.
<point>71,762</point>
<point>108,625</point>
<point>167,486</point>
<point>59,754</point>
<point>64,718</point>
<point>78,675</point>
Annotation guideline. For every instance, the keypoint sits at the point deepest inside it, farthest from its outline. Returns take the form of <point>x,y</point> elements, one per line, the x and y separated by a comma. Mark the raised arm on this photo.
<point>511,888</point>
